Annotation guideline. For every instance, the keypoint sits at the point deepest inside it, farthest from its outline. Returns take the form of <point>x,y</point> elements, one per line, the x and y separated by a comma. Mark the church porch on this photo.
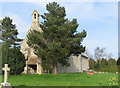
<point>32,66</point>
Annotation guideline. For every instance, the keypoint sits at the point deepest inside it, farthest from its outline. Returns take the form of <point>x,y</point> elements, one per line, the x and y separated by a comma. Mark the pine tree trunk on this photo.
<point>54,69</point>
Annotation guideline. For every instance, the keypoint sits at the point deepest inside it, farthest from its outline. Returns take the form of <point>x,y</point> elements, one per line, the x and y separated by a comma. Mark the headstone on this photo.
<point>5,76</point>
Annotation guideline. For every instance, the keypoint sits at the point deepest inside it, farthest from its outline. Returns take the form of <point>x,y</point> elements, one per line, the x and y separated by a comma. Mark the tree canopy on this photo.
<point>59,38</point>
<point>9,33</point>
<point>99,53</point>
<point>14,58</point>
<point>11,54</point>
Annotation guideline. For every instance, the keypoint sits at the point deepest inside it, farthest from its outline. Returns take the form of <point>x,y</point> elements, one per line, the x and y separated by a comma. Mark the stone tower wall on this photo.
<point>25,49</point>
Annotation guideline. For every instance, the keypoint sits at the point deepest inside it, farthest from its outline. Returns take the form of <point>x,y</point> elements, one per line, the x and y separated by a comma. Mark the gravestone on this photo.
<point>5,76</point>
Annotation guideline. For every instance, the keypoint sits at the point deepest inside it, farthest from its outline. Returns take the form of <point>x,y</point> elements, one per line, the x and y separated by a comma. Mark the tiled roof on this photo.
<point>84,55</point>
<point>32,61</point>
<point>35,11</point>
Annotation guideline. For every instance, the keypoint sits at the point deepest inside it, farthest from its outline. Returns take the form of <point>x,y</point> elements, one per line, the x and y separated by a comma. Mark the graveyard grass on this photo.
<point>70,79</point>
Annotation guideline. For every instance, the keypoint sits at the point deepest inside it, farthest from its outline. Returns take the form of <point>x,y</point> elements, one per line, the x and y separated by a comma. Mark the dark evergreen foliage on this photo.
<point>11,54</point>
<point>91,63</point>
<point>14,58</point>
<point>9,32</point>
<point>59,38</point>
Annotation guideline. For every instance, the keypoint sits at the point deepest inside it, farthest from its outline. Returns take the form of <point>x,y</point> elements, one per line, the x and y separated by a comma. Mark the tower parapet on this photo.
<point>35,18</point>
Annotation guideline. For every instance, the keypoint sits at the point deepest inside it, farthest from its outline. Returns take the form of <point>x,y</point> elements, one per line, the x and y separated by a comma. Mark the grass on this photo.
<point>70,79</point>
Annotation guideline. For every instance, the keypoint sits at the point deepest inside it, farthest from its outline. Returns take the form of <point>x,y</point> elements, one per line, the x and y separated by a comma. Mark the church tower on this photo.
<point>35,18</point>
<point>33,63</point>
<point>35,22</point>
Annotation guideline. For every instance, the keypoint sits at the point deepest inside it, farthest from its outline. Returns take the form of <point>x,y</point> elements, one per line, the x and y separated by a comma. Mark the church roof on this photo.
<point>84,55</point>
<point>35,11</point>
<point>32,61</point>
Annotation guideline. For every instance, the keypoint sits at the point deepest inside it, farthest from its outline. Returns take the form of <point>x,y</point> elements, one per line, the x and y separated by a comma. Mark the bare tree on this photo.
<point>99,53</point>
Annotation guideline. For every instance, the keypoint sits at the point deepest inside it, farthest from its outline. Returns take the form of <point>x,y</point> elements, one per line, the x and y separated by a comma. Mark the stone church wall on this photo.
<point>85,63</point>
<point>77,64</point>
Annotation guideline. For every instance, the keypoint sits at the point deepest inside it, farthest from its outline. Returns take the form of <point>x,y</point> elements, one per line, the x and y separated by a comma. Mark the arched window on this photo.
<point>35,16</point>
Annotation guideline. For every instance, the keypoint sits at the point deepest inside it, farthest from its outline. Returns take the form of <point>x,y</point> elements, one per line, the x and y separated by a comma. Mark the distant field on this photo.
<point>71,79</point>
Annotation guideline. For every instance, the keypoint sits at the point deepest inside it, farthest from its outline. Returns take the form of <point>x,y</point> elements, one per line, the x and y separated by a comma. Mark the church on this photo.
<point>33,63</point>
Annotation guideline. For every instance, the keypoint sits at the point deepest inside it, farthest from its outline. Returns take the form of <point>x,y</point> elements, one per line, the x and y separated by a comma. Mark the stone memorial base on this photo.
<point>5,85</point>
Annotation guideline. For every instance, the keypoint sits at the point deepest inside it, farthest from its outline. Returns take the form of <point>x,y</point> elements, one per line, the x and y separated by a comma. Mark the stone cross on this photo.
<point>5,72</point>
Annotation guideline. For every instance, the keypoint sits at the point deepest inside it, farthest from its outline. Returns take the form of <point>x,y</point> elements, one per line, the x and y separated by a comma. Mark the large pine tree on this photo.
<point>9,33</point>
<point>11,54</point>
<point>58,40</point>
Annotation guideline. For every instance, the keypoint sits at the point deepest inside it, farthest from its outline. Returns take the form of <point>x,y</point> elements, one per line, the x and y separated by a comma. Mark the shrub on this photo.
<point>15,60</point>
<point>112,68</point>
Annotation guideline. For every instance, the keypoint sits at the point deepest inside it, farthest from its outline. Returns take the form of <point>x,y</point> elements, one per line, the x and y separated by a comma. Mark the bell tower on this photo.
<point>35,18</point>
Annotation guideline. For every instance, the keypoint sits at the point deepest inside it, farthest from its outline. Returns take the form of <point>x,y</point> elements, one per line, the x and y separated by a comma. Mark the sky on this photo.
<point>98,18</point>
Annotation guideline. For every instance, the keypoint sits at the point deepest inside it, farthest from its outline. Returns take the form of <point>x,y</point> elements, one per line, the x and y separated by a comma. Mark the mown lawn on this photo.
<point>71,79</point>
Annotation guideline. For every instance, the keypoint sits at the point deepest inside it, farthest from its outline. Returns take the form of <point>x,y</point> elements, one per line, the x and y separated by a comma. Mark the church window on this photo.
<point>35,16</point>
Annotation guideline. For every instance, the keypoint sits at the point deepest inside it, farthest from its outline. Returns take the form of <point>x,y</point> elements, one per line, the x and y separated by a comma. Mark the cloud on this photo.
<point>21,25</point>
<point>41,3</point>
<point>110,44</point>
<point>0,10</point>
<point>80,9</point>
<point>94,18</point>
<point>92,10</point>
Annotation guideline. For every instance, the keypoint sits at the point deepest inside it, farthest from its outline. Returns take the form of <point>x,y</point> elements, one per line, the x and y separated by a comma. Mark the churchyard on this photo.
<point>67,79</point>
<point>53,54</point>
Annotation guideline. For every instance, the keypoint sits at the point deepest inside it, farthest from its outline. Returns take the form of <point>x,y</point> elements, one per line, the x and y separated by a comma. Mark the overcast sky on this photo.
<point>99,19</point>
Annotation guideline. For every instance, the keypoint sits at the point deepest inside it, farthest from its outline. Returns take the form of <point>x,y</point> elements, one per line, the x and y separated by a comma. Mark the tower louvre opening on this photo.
<point>35,15</point>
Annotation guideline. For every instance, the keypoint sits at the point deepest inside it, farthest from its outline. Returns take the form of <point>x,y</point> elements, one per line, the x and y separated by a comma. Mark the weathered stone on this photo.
<point>5,76</point>
<point>77,64</point>
<point>25,49</point>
